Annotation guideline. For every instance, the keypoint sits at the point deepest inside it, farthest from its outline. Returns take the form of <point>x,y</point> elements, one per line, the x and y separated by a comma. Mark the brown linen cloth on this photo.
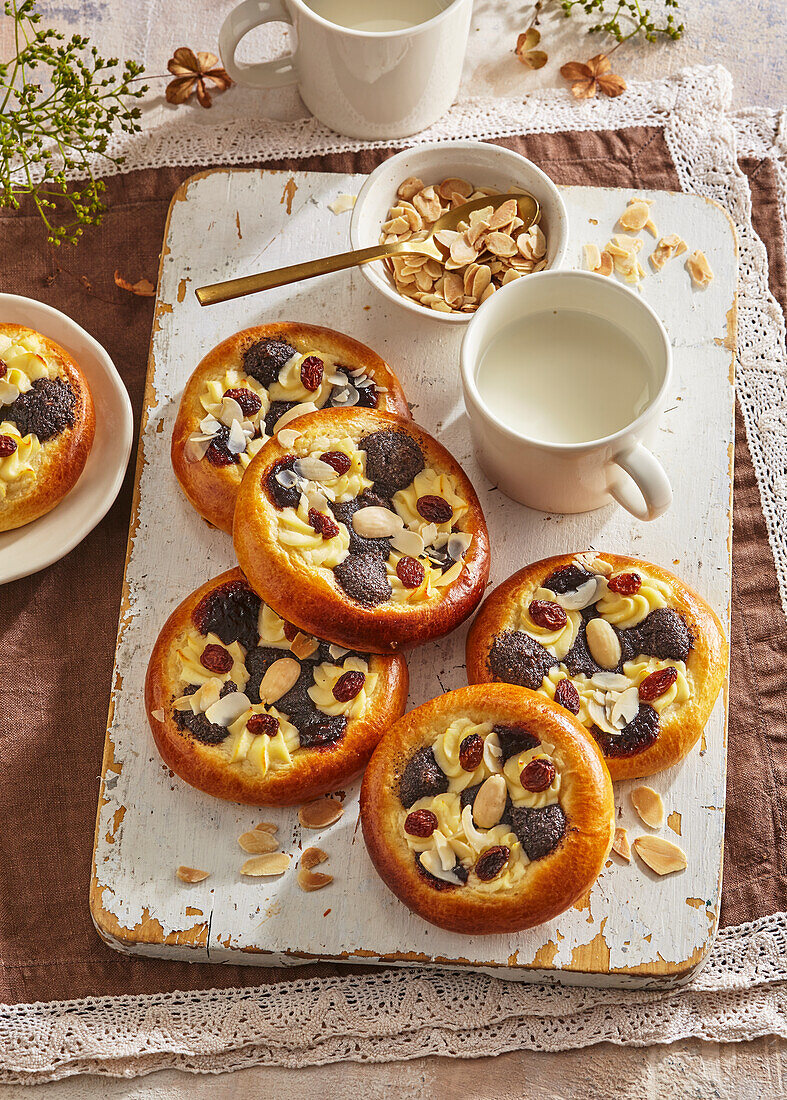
<point>57,628</point>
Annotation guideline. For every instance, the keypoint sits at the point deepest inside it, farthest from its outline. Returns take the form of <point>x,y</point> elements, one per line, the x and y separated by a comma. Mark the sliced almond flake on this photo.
<point>592,257</point>
<point>662,856</point>
<point>196,447</point>
<point>258,841</point>
<point>410,187</point>
<point>408,542</point>
<point>292,414</point>
<point>264,866</point>
<point>337,651</point>
<point>699,269</point>
<point>488,292</point>
<point>621,845</point>
<point>230,412</point>
<point>500,244</point>
<point>449,576</point>
<point>342,203</point>
<point>228,708</point>
<point>453,288</point>
<point>303,645</point>
<point>314,469</point>
<point>191,874</point>
<point>320,814</point>
<point>158,714</point>
<point>427,203</point>
<point>237,439</point>
<point>287,437</point>
<point>636,214</point>
<point>455,185</point>
<point>649,805</point>
<point>308,879</point>
<point>462,252</point>
<point>267,827</point>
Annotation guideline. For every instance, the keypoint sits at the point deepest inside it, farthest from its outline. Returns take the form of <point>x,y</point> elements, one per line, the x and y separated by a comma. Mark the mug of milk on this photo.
<point>366,68</point>
<point>565,377</point>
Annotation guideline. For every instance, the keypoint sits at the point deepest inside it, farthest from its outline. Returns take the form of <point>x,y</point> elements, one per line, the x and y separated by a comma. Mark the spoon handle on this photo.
<point>266,280</point>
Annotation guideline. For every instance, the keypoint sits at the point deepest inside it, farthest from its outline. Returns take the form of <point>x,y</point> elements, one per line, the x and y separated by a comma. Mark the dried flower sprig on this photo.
<point>60,102</point>
<point>193,72</point>
<point>625,19</point>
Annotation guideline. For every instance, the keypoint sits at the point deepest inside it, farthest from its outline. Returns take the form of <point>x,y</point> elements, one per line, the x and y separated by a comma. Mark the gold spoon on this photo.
<point>527,208</point>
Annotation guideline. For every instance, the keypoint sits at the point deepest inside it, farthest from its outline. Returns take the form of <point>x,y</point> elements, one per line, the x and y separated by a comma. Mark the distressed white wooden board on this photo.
<point>636,928</point>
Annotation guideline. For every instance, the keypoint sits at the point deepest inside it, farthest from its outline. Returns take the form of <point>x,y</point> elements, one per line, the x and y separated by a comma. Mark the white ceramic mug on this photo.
<point>365,84</point>
<point>572,477</point>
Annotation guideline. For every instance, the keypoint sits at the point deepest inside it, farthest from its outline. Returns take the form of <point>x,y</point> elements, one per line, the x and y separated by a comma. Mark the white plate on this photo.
<point>46,540</point>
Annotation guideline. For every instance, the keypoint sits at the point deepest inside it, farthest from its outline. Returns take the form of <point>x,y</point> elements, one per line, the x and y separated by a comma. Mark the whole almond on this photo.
<point>621,845</point>
<point>603,643</point>
<point>490,802</point>
<point>191,874</point>
<point>376,523</point>
<point>320,814</point>
<point>661,855</point>
<point>258,841</point>
<point>273,863</point>
<point>649,806</point>
<point>280,677</point>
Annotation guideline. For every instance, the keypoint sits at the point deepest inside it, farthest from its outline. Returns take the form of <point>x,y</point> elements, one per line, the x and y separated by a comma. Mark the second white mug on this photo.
<point>589,368</point>
<point>385,75</point>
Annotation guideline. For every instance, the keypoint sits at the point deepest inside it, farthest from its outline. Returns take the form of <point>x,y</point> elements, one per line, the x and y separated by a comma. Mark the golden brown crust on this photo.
<point>212,490</point>
<point>707,661</point>
<point>62,458</point>
<point>313,771</point>
<point>317,604</point>
<point>550,884</point>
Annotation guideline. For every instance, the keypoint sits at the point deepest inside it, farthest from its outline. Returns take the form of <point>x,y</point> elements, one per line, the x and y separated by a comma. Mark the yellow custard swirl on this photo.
<point>22,464</point>
<point>325,680</point>
<point>259,751</point>
<point>430,483</point>
<point>300,538</point>
<point>192,671</point>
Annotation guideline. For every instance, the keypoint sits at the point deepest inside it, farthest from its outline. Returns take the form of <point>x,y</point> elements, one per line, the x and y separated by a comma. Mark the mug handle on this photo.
<point>651,493</point>
<point>241,20</point>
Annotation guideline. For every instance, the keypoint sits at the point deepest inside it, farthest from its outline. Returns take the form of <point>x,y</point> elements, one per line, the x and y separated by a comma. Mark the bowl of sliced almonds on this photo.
<point>407,194</point>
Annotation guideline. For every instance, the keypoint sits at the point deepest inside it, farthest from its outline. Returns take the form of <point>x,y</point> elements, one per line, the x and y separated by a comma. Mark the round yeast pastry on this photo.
<point>487,810</point>
<point>243,387</point>
<point>245,707</point>
<point>361,528</point>
<point>47,424</point>
<point>623,644</point>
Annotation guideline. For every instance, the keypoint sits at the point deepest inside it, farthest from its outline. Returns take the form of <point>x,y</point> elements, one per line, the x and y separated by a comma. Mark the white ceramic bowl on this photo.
<point>482,164</point>
<point>44,541</point>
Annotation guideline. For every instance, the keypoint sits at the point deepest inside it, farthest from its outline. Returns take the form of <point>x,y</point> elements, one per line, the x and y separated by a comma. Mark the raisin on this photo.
<point>265,358</point>
<point>7,445</point>
<point>231,611</point>
<point>539,830</point>
<point>338,459</point>
<point>492,862</point>
<point>547,614</point>
<point>45,410</point>
<point>282,497</point>
<point>348,685</point>
<point>290,631</point>
<point>311,373</point>
<point>410,572</point>
<point>420,823</point>
<point>516,658</point>
<point>421,778</point>
<point>320,730</point>
<point>248,400</point>
<point>323,524</point>
<point>567,696</point>
<point>3,368</point>
<point>393,458</point>
<point>218,453</point>
<point>364,579</point>
<point>567,579</point>
<point>263,723</point>
<point>215,658</point>
<point>625,584</point>
<point>471,752</point>
<point>537,775</point>
<point>434,509</point>
<point>657,683</point>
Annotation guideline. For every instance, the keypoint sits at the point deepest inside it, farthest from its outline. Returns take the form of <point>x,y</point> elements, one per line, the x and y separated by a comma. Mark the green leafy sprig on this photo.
<point>625,19</point>
<point>60,103</point>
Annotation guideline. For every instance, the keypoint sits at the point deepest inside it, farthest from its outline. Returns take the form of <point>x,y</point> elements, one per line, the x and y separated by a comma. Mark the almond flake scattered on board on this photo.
<point>621,844</point>
<point>624,250</point>
<point>649,806</point>
<point>273,863</point>
<point>342,203</point>
<point>320,814</point>
<point>267,827</point>
<point>662,856</point>
<point>308,879</point>
<point>670,246</point>
<point>258,841</point>
<point>191,874</point>
<point>699,269</point>
<point>636,216</point>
